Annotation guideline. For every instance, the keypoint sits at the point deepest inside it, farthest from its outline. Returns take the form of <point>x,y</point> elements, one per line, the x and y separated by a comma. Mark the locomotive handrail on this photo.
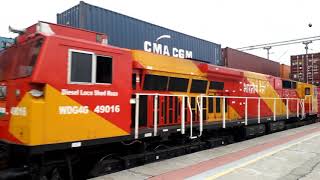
<point>191,120</point>
<point>136,121</point>
<point>303,109</point>
<point>200,106</point>
<point>199,101</point>
<point>201,115</point>
<point>182,116</point>
<point>155,116</point>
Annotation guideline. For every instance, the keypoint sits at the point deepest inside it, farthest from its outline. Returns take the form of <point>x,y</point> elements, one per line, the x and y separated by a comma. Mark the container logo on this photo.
<point>162,37</point>
<point>158,48</point>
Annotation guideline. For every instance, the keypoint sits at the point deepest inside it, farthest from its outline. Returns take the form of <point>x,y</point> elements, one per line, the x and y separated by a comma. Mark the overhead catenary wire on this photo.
<point>279,43</point>
<point>283,54</point>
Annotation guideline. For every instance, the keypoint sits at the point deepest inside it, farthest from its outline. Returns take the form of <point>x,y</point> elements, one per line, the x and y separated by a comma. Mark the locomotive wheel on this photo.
<point>43,178</point>
<point>56,174</point>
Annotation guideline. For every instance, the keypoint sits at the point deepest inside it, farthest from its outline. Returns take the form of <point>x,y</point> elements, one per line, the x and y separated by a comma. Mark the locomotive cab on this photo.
<point>63,85</point>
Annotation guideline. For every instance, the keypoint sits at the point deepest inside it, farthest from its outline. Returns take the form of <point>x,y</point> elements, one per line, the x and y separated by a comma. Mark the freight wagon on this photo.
<point>74,107</point>
<point>241,60</point>
<point>127,32</point>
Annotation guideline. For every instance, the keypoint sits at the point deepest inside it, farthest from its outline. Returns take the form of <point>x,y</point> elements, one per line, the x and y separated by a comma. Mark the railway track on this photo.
<point>166,150</point>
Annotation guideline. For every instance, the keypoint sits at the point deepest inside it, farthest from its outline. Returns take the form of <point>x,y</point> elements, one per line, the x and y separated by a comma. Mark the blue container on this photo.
<point>127,32</point>
<point>4,42</point>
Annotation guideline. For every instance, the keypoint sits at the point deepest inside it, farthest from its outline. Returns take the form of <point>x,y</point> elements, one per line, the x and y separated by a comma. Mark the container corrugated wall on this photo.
<point>241,60</point>
<point>299,68</point>
<point>128,32</point>
<point>285,71</point>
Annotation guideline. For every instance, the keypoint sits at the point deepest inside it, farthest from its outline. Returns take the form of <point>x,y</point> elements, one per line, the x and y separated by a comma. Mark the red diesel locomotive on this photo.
<point>69,102</point>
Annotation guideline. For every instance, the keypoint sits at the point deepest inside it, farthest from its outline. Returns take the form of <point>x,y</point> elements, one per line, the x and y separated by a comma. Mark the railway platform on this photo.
<point>290,154</point>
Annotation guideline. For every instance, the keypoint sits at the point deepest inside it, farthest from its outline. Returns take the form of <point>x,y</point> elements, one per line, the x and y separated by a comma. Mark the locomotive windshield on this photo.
<point>18,61</point>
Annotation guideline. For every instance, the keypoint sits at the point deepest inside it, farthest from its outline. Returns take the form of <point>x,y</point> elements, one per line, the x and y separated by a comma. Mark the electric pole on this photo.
<point>268,51</point>
<point>306,43</point>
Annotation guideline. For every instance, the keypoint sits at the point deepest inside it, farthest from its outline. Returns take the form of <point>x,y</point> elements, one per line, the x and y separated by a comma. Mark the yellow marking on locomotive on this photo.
<point>166,64</point>
<point>233,114</point>
<point>268,91</point>
<point>300,87</point>
<point>28,127</point>
<point>44,125</point>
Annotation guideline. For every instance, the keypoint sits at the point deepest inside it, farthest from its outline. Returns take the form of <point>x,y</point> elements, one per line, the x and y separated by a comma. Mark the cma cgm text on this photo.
<point>164,50</point>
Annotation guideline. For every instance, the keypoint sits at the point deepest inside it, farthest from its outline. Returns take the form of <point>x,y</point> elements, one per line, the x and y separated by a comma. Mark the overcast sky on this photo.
<point>232,23</point>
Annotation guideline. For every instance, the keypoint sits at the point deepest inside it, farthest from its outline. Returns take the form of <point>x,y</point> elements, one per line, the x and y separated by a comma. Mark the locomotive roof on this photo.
<point>142,59</point>
<point>67,32</point>
<point>156,62</point>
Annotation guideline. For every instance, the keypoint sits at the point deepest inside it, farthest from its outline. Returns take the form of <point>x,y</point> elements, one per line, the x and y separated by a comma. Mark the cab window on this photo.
<point>87,67</point>
<point>81,67</point>
<point>18,61</point>
<point>104,70</point>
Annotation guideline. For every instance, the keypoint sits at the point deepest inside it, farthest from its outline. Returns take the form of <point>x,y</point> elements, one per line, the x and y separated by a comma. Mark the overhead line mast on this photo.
<point>306,41</point>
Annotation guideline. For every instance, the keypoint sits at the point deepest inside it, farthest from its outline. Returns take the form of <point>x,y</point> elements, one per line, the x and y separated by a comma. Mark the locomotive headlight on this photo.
<point>18,92</point>
<point>36,93</point>
<point>37,89</point>
<point>3,91</point>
